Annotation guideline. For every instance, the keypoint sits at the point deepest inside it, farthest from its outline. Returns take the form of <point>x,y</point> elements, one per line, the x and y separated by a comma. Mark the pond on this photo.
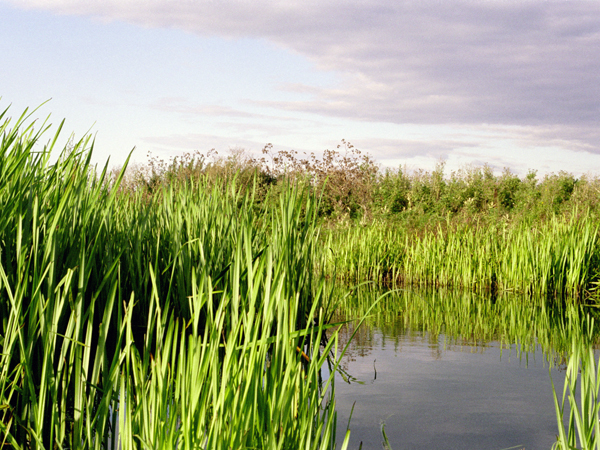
<point>452,371</point>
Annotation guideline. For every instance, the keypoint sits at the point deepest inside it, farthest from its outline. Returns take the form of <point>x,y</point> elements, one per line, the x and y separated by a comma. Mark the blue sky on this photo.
<point>507,83</point>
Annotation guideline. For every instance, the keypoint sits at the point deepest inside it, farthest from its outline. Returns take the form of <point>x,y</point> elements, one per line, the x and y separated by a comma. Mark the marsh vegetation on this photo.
<point>190,303</point>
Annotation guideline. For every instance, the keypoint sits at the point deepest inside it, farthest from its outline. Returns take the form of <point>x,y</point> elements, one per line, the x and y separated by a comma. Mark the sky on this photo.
<point>511,84</point>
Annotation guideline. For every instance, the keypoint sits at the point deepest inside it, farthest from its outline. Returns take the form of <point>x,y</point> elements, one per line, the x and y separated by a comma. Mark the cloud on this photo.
<point>487,62</point>
<point>525,63</point>
<point>190,142</point>
<point>189,109</point>
<point>439,149</point>
<point>183,106</point>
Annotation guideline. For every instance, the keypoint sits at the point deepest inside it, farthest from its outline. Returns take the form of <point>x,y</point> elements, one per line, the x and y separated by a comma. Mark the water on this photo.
<point>432,391</point>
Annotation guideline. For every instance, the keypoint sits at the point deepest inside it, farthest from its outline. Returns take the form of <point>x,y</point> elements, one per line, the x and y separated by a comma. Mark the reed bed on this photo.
<point>193,313</point>
<point>557,258</point>
<point>187,319</point>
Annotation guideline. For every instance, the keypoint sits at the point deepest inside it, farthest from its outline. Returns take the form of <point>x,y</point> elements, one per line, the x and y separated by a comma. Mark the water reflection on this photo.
<point>454,372</point>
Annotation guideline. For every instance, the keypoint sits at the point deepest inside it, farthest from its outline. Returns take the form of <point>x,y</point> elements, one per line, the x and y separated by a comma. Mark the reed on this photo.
<point>578,410</point>
<point>186,319</point>
<point>371,252</point>
<point>558,258</point>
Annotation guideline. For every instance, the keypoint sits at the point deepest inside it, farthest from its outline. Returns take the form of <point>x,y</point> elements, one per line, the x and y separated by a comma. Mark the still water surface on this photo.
<point>437,392</point>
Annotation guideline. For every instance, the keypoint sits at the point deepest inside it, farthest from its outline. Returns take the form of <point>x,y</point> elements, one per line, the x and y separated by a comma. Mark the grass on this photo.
<point>187,319</point>
<point>469,229</point>
<point>579,405</point>
<point>558,258</point>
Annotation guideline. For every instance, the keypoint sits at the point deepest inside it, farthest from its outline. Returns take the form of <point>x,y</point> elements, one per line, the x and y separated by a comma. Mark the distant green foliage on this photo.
<point>475,192</point>
<point>353,187</point>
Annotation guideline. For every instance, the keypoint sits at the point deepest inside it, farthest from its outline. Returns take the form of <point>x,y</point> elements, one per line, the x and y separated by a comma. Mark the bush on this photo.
<point>352,186</point>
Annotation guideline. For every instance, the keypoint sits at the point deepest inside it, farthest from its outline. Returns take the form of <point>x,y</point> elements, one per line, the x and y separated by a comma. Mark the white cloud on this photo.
<point>423,62</point>
<point>512,64</point>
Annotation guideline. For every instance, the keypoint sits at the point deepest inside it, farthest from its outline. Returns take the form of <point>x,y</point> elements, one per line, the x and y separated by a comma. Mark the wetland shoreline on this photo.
<point>171,285</point>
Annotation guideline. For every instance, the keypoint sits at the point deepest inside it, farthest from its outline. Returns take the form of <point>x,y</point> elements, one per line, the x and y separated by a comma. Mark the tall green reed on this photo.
<point>190,318</point>
<point>559,258</point>
<point>579,405</point>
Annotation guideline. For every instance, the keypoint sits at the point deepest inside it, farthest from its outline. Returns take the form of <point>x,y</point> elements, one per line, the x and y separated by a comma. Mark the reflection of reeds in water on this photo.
<point>467,319</point>
<point>157,313</point>
<point>566,334</point>
<point>560,257</point>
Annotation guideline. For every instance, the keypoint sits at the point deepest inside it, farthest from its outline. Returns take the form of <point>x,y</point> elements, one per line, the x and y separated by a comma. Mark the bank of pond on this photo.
<point>197,317</point>
<point>556,258</point>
